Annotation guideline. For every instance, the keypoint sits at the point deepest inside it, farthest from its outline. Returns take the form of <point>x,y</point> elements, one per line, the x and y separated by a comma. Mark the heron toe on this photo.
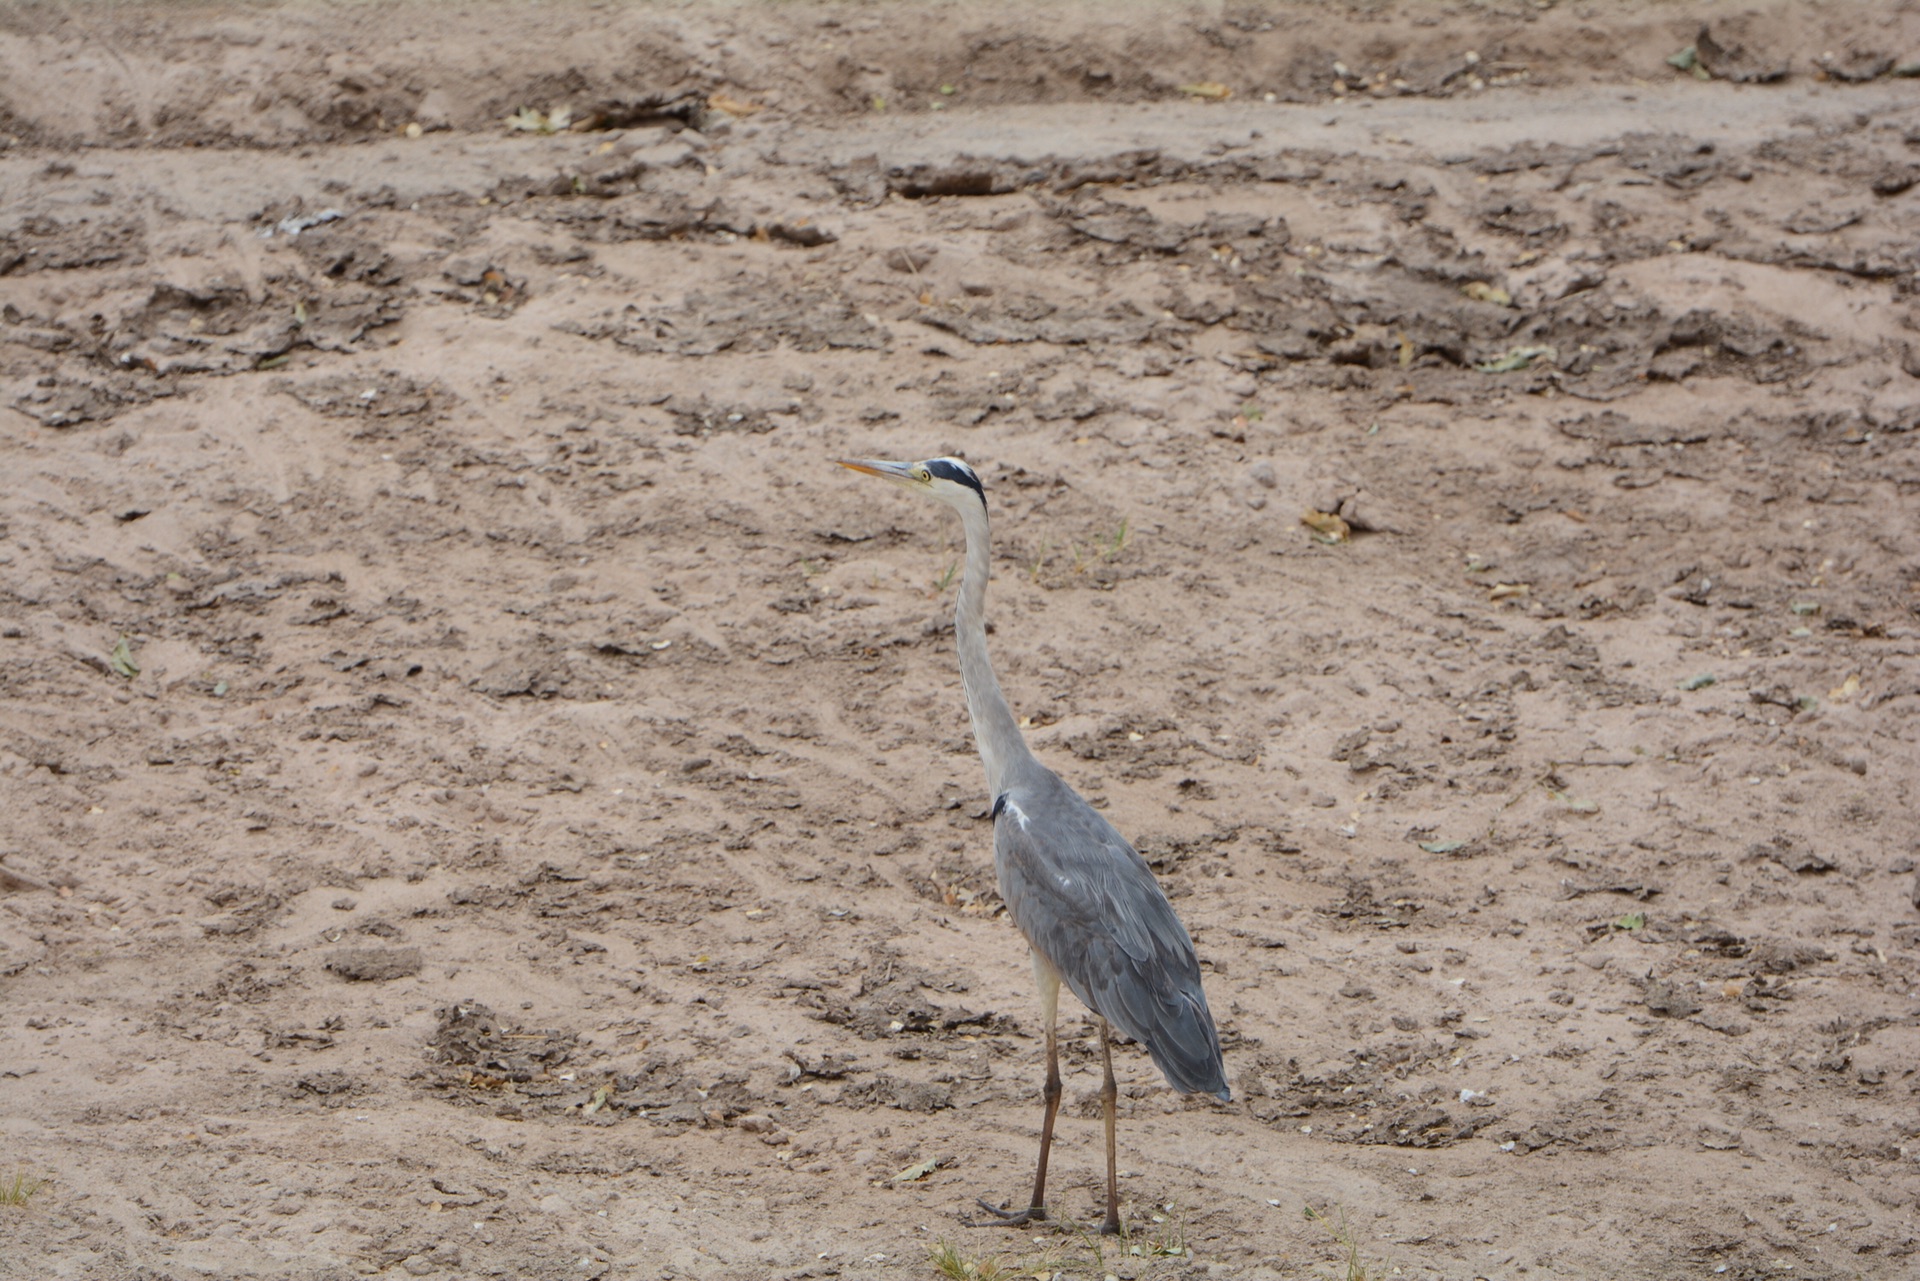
<point>1008,1218</point>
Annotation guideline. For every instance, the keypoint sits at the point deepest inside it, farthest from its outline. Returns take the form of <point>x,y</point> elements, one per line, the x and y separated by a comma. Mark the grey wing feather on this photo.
<point>1090,905</point>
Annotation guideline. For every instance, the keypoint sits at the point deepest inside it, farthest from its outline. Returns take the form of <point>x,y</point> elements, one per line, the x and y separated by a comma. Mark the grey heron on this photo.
<point>1089,906</point>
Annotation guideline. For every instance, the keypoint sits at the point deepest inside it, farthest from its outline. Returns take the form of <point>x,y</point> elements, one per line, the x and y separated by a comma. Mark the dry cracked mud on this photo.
<point>487,798</point>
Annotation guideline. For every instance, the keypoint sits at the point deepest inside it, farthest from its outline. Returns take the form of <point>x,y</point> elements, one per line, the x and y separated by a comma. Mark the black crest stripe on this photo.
<point>959,476</point>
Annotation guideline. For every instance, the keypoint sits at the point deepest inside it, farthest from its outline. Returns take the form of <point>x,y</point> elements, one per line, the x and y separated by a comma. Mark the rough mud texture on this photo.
<point>486,797</point>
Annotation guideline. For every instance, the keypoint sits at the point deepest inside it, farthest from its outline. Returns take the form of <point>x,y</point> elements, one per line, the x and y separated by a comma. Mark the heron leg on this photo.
<point>1110,1103</point>
<point>1052,1100</point>
<point>1036,1211</point>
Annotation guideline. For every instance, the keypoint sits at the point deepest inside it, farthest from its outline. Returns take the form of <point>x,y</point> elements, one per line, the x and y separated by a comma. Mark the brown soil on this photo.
<point>486,796</point>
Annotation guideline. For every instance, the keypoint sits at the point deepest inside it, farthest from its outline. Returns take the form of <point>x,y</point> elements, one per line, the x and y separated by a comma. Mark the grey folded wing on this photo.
<point>1090,905</point>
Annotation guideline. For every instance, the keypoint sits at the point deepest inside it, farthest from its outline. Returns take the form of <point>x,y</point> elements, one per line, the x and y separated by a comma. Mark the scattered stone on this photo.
<point>1854,66</point>
<point>374,964</point>
<point>1719,1138</point>
<point>891,1091</point>
<point>1735,62</point>
<point>471,1035</point>
<point>1670,999</point>
<point>1792,855</point>
<point>759,315</point>
<point>911,259</point>
<point>1723,1022</point>
<point>1785,956</point>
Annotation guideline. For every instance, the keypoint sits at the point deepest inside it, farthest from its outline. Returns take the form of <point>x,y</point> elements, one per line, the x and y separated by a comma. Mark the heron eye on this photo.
<point>922,474</point>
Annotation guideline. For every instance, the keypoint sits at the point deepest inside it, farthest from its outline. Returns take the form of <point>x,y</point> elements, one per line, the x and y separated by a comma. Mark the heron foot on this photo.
<point>1008,1218</point>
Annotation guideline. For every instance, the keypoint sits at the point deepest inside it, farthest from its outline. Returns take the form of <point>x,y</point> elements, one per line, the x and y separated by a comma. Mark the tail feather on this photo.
<point>1188,1053</point>
<point>1174,1024</point>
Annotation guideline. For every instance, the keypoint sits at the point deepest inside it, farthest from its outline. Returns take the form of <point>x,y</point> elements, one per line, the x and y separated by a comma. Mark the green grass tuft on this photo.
<point>19,1189</point>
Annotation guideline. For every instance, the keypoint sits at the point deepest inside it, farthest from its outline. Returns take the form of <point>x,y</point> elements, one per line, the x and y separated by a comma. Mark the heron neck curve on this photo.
<point>998,736</point>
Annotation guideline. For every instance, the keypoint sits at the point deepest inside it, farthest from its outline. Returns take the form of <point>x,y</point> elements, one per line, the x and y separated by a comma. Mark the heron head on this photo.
<point>948,479</point>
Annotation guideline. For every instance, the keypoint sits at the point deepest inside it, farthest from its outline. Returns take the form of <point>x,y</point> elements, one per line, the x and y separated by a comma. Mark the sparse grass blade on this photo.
<point>948,1261</point>
<point>1162,1234</point>
<point>19,1189</point>
<point>1353,1267</point>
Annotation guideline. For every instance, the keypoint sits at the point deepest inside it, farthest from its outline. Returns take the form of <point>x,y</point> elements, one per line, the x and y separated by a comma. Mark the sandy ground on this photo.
<point>485,797</point>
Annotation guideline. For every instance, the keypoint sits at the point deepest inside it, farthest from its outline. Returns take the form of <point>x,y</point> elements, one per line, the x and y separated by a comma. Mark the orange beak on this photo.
<point>879,467</point>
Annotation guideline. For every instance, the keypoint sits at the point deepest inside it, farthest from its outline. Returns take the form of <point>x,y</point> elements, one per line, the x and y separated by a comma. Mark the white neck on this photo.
<point>1001,744</point>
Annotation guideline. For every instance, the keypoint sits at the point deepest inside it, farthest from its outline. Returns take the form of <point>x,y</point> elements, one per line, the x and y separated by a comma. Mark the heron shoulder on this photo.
<point>1040,802</point>
<point>1059,860</point>
<point>1005,804</point>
